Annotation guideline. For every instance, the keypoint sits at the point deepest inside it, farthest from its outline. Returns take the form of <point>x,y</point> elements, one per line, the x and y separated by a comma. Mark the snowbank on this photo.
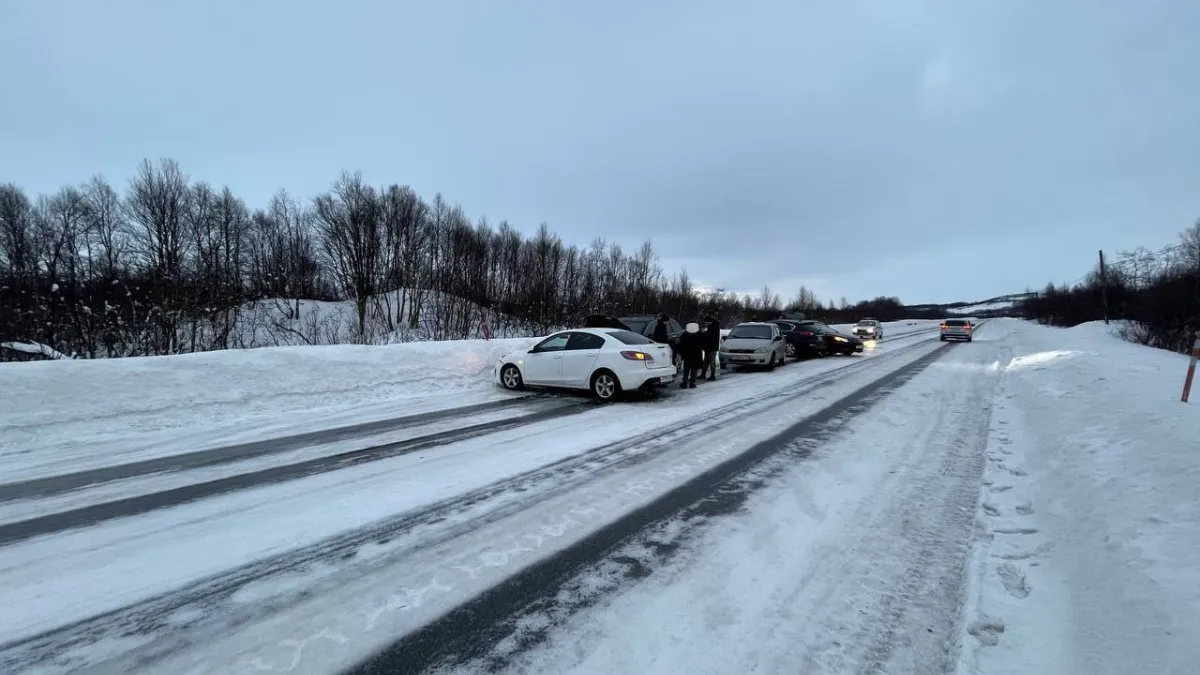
<point>1091,558</point>
<point>62,409</point>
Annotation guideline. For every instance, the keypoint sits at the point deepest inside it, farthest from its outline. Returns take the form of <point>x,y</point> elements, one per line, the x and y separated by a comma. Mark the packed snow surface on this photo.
<point>1028,504</point>
<point>1091,558</point>
<point>77,413</point>
<point>1025,504</point>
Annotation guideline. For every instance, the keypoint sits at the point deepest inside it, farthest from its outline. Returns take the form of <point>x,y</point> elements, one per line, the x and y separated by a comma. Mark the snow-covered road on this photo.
<point>926,508</point>
<point>204,559</point>
<point>851,561</point>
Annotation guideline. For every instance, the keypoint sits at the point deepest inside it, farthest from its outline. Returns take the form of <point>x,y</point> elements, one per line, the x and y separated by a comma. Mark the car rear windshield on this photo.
<point>631,338</point>
<point>955,322</point>
<point>635,325</point>
<point>752,332</point>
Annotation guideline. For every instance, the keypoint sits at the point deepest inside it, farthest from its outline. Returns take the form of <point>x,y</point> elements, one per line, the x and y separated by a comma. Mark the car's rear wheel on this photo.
<point>510,377</point>
<point>605,386</point>
<point>789,351</point>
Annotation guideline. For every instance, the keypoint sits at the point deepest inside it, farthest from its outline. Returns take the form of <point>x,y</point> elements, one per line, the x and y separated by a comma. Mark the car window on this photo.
<point>816,327</point>
<point>631,338</point>
<point>955,322</point>
<point>636,326</point>
<point>674,327</point>
<point>585,341</point>
<point>758,332</point>
<point>554,343</point>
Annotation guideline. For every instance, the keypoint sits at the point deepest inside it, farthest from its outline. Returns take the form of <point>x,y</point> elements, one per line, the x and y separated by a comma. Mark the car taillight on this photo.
<point>967,327</point>
<point>804,333</point>
<point>944,326</point>
<point>637,356</point>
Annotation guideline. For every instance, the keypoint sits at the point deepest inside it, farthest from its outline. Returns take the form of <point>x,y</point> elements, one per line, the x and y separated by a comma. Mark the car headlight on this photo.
<point>760,350</point>
<point>838,338</point>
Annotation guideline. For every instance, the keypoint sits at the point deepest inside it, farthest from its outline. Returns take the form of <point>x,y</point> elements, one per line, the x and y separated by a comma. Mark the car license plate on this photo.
<point>740,358</point>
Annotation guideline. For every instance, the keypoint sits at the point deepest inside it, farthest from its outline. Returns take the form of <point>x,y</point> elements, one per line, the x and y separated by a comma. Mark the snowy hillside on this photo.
<point>997,304</point>
<point>404,315</point>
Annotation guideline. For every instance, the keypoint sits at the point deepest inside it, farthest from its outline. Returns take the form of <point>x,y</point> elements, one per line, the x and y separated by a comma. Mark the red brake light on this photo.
<point>805,333</point>
<point>637,356</point>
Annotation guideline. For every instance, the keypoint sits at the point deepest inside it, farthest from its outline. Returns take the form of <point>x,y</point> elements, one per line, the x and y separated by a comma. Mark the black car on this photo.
<point>810,338</point>
<point>644,324</point>
<point>802,342</point>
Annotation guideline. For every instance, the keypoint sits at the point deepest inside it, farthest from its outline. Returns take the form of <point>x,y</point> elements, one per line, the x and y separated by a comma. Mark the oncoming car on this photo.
<point>868,329</point>
<point>754,344</point>
<point>606,361</point>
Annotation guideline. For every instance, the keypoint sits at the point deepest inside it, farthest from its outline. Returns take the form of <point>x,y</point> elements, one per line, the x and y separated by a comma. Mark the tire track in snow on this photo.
<point>59,483</point>
<point>134,505</point>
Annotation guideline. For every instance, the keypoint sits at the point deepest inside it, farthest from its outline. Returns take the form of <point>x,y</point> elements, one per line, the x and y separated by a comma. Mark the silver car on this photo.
<point>868,329</point>
<point>754,344</point>
<point>957,329</point>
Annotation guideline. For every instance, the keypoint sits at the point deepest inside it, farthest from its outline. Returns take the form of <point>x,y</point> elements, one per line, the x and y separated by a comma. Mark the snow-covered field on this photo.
<point>1022,503</point>
<point>1090,562</point>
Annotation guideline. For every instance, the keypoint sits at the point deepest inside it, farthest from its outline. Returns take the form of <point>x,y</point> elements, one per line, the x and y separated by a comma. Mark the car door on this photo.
<point>579,357</point>
<point>543,363</point>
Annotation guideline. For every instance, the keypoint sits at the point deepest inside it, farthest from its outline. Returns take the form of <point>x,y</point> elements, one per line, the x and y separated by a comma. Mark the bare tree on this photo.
<point>352,238</point>
<point>157,205</point>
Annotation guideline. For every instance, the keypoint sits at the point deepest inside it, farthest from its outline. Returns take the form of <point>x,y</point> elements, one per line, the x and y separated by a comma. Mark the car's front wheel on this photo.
<point>510,377</point>
<point>605,386</point>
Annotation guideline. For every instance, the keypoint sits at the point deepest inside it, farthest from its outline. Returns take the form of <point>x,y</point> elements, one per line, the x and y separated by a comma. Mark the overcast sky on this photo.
<point>935,150</point>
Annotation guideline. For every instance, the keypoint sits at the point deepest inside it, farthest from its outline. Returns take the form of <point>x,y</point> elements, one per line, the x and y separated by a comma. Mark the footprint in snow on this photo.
<point>1024,509</point>
<point>987,630</point>
<point>991,509</point>
<point>1001,488</point>
<point>1013,580</point>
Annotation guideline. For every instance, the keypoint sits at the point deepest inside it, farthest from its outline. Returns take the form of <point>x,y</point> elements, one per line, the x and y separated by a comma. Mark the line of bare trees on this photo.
<point>173,266</point>
<point>1156,294</point>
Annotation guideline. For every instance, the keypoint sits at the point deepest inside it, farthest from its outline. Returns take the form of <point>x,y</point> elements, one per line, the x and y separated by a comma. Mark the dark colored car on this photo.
<point>801,341</point>
<point>810,338</point>
<point>644,324</point>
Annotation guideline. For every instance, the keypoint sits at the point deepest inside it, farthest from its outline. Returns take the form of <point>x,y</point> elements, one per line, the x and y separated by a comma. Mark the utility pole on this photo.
<point>1104,287</point>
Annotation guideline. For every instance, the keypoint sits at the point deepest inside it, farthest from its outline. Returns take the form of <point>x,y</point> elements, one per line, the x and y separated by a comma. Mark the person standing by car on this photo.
<point>712,345</point>
<point>662,334</point>
<point>691,349</point>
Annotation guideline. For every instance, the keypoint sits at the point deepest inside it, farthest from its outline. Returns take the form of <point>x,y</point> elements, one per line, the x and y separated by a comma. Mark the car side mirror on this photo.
<point>778,338</point>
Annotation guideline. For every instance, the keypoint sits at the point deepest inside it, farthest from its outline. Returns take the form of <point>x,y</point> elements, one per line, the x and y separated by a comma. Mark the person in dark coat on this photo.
<point>661,334</point>
<point>691,350</point>
<point>712,345</point>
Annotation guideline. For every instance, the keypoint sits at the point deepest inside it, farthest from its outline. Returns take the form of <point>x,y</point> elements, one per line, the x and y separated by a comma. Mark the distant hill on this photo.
<point>1003,305</point>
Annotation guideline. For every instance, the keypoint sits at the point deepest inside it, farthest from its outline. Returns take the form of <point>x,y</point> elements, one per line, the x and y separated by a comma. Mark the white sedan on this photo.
<point>605,360</point>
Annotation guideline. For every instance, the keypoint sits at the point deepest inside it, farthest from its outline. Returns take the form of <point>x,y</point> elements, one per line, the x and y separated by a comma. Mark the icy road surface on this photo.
<point>991,507</point>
